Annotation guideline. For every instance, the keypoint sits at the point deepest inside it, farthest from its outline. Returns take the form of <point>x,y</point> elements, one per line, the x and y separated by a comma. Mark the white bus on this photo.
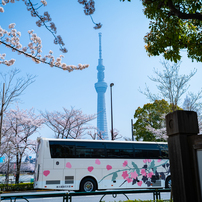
<point>89,165</point>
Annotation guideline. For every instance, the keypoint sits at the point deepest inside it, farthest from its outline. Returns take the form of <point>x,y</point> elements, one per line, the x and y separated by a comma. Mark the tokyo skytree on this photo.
<point>101,87</point>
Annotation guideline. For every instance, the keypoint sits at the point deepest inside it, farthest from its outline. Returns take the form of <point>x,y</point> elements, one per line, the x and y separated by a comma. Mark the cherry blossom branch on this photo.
<point>12,40</point>
<point>89,9</point>
<point>43,19</point>
<point>158,133</point>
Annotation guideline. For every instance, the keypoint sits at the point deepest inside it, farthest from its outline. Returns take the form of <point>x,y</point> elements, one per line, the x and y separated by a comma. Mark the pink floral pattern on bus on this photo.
<point>125,163</point>
<point>146,174</point>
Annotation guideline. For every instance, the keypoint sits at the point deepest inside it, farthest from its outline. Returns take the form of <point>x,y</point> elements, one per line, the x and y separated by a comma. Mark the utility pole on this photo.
<point>112,130</point>
<point>2,111</point>
<point>132,129</point>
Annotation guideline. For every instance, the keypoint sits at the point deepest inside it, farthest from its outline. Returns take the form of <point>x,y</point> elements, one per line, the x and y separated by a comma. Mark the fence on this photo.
<point>67,196</point>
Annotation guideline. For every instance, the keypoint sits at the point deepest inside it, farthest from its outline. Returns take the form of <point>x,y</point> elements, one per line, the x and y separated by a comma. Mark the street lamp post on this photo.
<point>2,111</point>
<point>112,134</point>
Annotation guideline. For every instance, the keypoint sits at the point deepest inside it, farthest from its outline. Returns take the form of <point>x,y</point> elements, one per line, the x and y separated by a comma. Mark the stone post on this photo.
<point>182,126</point>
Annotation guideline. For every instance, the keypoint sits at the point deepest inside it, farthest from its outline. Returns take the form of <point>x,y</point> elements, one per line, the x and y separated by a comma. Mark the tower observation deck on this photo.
<point>101,87</point>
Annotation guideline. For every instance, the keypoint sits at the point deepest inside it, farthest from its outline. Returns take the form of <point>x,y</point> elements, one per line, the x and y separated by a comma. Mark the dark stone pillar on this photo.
<point>181,127</point>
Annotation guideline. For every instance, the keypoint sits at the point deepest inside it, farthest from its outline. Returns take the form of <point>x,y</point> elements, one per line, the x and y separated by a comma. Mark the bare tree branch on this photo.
<point>68,124</point>
<point>15,88</point>
<point>170,84</point>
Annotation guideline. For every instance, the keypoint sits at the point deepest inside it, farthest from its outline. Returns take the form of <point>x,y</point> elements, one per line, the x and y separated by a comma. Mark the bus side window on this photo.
<point>61,150</point>
<point>98,153</point>
<point>154,154</point>
<point>147,154</point>
<point>117,150</point>
<point>68,151</point>
<point>89,150</point>
<point>141,154</point>
<point>164,154</point>
<point>113,153</point>
<point>126,153</point>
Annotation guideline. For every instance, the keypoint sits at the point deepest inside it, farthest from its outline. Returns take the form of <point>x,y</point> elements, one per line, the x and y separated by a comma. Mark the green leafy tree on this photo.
<point>150,115</point>
<point>174,25</point>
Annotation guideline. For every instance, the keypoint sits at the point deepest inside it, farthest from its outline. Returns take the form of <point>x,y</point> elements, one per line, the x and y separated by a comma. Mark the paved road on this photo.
<point>107,198</point>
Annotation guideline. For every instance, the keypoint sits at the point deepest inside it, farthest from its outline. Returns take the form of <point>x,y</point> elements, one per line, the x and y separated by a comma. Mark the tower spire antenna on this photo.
<point>100,46</point>
<point>101,87</point>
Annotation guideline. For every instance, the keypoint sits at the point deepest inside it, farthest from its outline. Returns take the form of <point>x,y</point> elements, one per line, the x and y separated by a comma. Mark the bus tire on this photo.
<point>168,182</point>
<point>87,185</point>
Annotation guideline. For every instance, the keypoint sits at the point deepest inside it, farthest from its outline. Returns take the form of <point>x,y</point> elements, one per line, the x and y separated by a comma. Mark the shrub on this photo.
<point>16,187</point>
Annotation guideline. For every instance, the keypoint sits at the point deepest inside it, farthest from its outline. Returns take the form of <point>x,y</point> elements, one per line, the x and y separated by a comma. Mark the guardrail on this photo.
<point>67,196</point>
<point>26,196</point>
<point>156,193</point>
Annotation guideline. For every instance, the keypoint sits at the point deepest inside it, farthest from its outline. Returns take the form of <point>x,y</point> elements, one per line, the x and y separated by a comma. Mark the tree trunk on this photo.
<point>18,165</point>
<point>7,171</point>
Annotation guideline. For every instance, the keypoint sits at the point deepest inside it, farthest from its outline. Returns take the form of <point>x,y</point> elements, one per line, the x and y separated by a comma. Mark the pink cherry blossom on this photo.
<point>33,49</point>
<point>1,10</point>
<point>125,163</point>
<point>98,26</point>
<point>149,160</point>
<point>159,160</point>
<point>143,172</point>
<point>44,2</point>
<point>68,123</point>
<point>158,133</point>
<point>149,175</point>
<point>145,161</point>
<point>134,175</point>
<point>129,180</point>
<point>125,174</point>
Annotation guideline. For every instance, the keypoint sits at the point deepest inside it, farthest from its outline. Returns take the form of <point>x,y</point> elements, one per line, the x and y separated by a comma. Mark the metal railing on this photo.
<point>114,193</point>
<point>67,196</point>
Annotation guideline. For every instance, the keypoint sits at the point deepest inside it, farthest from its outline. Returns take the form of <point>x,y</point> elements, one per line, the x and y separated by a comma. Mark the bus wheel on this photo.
<point>88,185</point>
<point>168,182</point>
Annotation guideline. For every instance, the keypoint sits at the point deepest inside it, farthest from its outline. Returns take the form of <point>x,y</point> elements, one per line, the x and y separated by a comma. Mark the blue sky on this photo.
<point>124,57</point>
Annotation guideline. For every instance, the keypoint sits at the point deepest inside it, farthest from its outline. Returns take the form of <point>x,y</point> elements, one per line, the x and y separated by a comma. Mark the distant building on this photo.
<point>101,87</point>
<point>29,159</point>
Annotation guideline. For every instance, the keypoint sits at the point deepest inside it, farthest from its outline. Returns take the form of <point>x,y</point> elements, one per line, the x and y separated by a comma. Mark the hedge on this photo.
<point>16,187</point>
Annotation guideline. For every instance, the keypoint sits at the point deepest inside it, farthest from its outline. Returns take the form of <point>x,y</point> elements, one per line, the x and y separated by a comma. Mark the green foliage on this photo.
<point>17,187</point>
<point>174,25</point>
<point>150,115</point>
<point>115,175</point>
<point>136,168</point>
